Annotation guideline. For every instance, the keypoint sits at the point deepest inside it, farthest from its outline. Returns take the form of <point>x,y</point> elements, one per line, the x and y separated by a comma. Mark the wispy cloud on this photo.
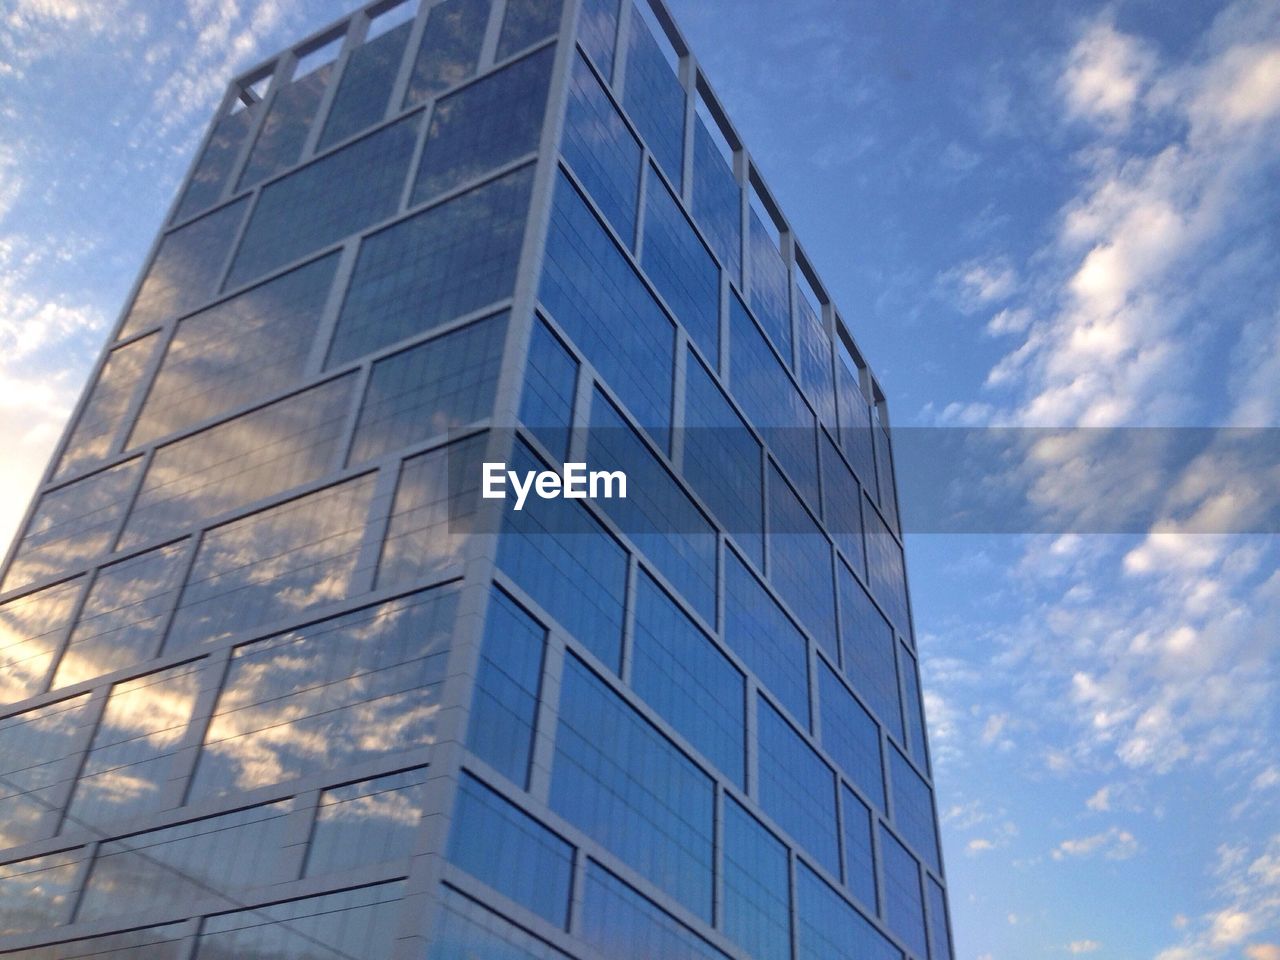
<point>1114,844</point>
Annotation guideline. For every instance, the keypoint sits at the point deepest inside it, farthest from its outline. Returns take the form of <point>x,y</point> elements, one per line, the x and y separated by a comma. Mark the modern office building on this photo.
<point>276,681</point>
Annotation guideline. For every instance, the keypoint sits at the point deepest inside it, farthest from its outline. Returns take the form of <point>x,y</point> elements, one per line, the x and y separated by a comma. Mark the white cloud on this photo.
<point>1083,946</point>
<point>1114,844</point>
<point>1106,74</point>
<point>1100,801</point>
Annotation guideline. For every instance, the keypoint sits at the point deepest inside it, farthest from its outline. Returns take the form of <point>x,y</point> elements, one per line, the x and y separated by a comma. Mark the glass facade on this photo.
<point>276,680</point>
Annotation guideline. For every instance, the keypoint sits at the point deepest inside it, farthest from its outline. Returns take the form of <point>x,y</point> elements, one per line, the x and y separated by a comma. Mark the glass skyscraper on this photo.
<point>277,681</point>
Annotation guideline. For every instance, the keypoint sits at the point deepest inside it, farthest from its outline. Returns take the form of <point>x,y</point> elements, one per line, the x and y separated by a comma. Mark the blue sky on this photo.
<point>1049,214</point>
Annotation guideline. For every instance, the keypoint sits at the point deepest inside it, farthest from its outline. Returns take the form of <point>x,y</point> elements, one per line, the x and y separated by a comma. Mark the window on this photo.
<point>904,904</point>
<point>855,418</point>
<point>330,198</point>
<point>95,432</point>
<point>598,31</point>
<point>31,628</point>
<point>365,88</point>
<point>913,807</point>
<point>681,673</point>
<point>276,563</point>
<point>37,894</point>
<point>505,705</point>
<point>150,943</point>
<point>797,788</point>
<point>654,98</point>
<point>886,570</point>
<point>939,933</point>
<point>485,125</point>
<point>850,735</point>
<point>757,905</point>
<point>439,264</point>
<point>623,925</point>
<point>829,928</point>
<point>370,822</point>
<point>546,407</point>
<point>241,350</point>
<point>450,48</point>
<point>329,695</point>
<point>859,859</point>
<point>38,759</point>
<point>800,562</point>
<point>213,169</point>
<point>620,781</point>
<point>465,930</point>
<point>527,22</point>
<point>868,651</point>
<point>500,844</point>
<point>814,357</point>
<point>842,505</point>
<point>884,468</point>
<point>285,127</point>
<point>913,707</point>
<point>769,298</point>
<point>717,198</point>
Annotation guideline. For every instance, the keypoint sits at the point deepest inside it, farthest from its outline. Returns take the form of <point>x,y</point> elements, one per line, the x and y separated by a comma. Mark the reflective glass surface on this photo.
<point>601,149</point>
<point>285,127</point>
<point>256,455</point>
<point>655,99</point>
<point>450,48</point>
<point>859,860</point>
<point>623,925</point>
<point>527,22</point>
<point>39,892</point>
<point>717,199</point>
<point>769,297</point>
<point>681,268</point>
<point>72,525</point>
<point>939,935</point>
<point>602,304</point>
<point>465,930</point>
<point>365,87</point>
<point>903,901</point>
<point>717,444</point>
<point>91,438</point>
<point>431,389</point>
<point>505,704</point>
<point>329,695</point>
<point>884,470</point>
<point>37,760</point>
<point>829,928</point>
<point>439,264</point>
<point>855,420</point>
<point>497,842</point>
<point>913,707</point>
<point>129,763</point>
<point>624,784</point>
<point>373,821</point>
<point>486,124</point>
<point>598,31</point>
<point>681,673</point>
<point>913,808</point>
<point>273,564</point>
<point>352,925</point>
<point>31,627</point>
<point>186,269</point>
<point>152,943</point>
<point>814,361</point>
<point>850,735</point>
<point>568,563</point>
<point>842,504</point>
<point>657,514</point>
<point>124,614</point>
<point>241,350</point>
<point>758,631</point>
<point>433,513</point>
<point>797,788</point>
<point>886,570</point>
<point>868,652</point>
<point>330,198</point>
<point>546,406</point>
<point>167,869</point>
<point>757,907</point>
<point>213,169</point>
<point>800,562</point>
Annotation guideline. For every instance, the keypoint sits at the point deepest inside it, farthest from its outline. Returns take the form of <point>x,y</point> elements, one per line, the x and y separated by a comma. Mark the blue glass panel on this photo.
<point>886,571</point>
<point>169,942</point>
<point>527,22</point>
<point>769,297</point>
<point>850,736</point>
<point>772,401</point>
<point>800,562</point>
<point>939,933</point>
<point>757,906</point>
<point>620,781</point>
<point>913,707</point>
<point>214,166</point>
<point>797,788</point>
<point>828,928</point>
<point>598,31</point>
<point>859,859</point>
<point>855,421</point>
<point>765,638</point>
<point>330,198</point>
<point>601,149</point>
<point>814,361</point>
<point>903,901</point>
<point>104,412</point>
<point>602,304</point>
<point>680,672</point>
<point>38,755</point>
<point>486,124</point>
<point>913,807</point>
<point>884,470</point>
<point>546,406</point>
<point>431,389</point>
<point>439,264</point>
<point>623,925</point>
<point>365,87</point>
<point>681,268</point>
<point>842,505</point>
<point>717,444</point>
<point>374,821</point>
<point>717,199</point>
<point>39,893</point>
<point>499,843</point>
<point>186,269</point>
<point>566,561</point>
<point>657,514</point>
<point>31,629</point>
<point>868,645</point>
<point>285,127</point>
<point>505,704</point>
<point>655,99</point>
<point>466,931</point>
<point>450,48</point>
